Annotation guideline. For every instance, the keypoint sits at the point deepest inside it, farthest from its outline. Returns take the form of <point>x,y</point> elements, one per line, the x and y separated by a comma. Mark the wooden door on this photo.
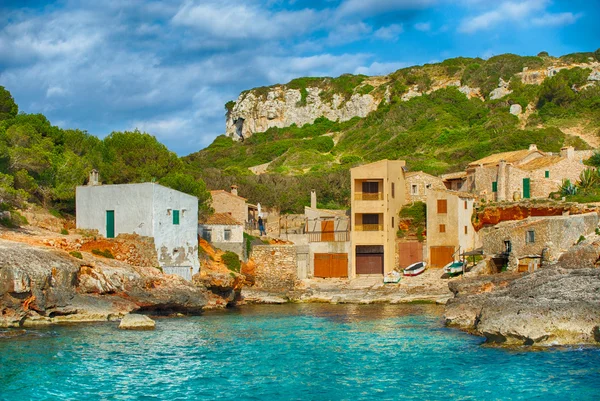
<point>409,253</point>
<point>440,256</point>
<point>329,265</point>
<point>369,263</point>
<point>110,224</point>
<point>327,231</point>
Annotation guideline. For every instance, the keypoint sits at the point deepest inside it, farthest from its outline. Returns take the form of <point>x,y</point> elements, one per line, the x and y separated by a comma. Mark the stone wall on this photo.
<point>421,180</point>
<point>276,267</point>
<point>225,202</point>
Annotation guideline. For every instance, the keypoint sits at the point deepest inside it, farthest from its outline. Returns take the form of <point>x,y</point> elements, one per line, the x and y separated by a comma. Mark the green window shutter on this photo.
<point>110,224</point>
<point>526,188</point>
<point>495,186</point>
<point>547,174</point>
<point>175,217</point>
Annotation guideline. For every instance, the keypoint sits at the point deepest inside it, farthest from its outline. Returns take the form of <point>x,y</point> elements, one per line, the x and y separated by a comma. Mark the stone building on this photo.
<point>224,232</point>
<point>378,194</point>
<point>527,173</point>
<point>147,209</point>
<point>416,184</point>
<point>234,205</point>
<point>529,237</point>
<point>450,231</point>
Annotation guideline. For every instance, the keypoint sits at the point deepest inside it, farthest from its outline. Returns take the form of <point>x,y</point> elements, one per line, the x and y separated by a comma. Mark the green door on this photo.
<point>526,188</point>
<point>110,224</point>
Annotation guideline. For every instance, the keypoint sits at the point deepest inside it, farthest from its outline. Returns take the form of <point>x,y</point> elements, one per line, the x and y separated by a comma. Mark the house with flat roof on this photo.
<point>450,231</point>
<point>147,209</point>
<point>378,193</point>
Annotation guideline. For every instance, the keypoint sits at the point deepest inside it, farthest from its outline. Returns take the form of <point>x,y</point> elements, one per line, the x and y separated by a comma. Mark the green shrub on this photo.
<point>232,261</point>
<point>76,254</point>
<point>581,239</point>
<point>229,106</point>
<point>64,231</point>
<point>105,253</point>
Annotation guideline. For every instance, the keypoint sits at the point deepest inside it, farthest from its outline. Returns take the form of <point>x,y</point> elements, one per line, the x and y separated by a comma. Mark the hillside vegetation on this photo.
<point>438,132</point>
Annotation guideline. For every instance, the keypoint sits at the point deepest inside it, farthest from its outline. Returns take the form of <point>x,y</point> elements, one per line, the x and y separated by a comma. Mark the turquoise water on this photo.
<point>290,352</point>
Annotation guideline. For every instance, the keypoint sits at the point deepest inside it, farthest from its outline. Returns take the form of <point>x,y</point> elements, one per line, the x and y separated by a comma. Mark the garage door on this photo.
<point>409,253</point>
<point>369,263</point>
<point>331,265</point>
<point>440,256</point>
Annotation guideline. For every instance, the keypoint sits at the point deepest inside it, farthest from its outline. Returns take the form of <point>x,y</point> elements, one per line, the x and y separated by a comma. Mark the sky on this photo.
<point>168,67</point>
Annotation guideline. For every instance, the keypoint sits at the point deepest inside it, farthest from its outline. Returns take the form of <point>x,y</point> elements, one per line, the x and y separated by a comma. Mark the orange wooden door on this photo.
<point>440,256</point>
<point>327,229</point>
<point>409,253</point>
<point>370,263</point>
<point>339,265</point>
<point>322,265</point>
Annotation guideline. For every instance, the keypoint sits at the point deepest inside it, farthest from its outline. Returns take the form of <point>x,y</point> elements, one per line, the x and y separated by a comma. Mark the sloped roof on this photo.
<point>413,173</point>
<point>460,194</point>
<point>217,191</point>
<point>223,219</point>
<point>510,157</point>
<point>541,162</point>
<point>454,176</point>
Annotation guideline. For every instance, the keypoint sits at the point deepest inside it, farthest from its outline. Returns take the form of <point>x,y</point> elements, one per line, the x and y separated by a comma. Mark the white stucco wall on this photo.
<point>176,245</point>
<point>218,232</point>
<point>132,204</point>
<point>144,209</point>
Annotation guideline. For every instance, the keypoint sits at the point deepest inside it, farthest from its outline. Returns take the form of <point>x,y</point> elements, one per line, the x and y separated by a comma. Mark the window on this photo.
<point>547,173</point>
<point>392,221</point>
<point>207,234</point>
<point>466,230</point>
<point>530,237</point>
<point>370,187</point>
<point>227,234</point>
<point>442,206</point>
<point>442,228</point>
<point>176,217</point>
<point>495,186</point>
<point>414,189</point>
<point>370,218</point>
<point>466,206</point>
<point>393,193</point>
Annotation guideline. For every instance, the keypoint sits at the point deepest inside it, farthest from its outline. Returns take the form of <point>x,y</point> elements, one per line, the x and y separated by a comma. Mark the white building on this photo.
<point>224,232</point>
<point>147,209</point>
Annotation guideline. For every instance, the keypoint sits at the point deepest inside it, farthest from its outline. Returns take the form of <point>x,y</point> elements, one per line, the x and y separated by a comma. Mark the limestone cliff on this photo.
<point>259,109</point>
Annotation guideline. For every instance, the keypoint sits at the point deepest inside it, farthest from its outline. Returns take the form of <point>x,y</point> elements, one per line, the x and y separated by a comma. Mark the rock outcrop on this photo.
<point>40,286</point>
<point>137,322</point>
<point>552,306</point>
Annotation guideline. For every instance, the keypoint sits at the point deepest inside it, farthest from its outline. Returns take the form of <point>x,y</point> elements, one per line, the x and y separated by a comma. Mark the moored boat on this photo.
<point>415,269</point>
<point>454,268</point>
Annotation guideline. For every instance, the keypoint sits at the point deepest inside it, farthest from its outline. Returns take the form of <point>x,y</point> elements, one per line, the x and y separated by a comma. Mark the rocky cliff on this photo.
<point>304,100</point>
<point>556,305</point>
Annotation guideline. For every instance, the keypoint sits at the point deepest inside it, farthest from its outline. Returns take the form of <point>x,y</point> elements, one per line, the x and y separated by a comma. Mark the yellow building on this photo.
<point>378,194</point>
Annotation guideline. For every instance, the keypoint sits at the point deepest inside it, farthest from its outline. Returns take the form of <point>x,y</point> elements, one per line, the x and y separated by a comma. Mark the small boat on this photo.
<point>392,277</point>
<point>454,268</point>
<point>415,269</point>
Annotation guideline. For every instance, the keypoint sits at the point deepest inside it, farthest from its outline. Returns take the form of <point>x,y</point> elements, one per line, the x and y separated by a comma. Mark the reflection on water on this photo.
<point>287,352</point>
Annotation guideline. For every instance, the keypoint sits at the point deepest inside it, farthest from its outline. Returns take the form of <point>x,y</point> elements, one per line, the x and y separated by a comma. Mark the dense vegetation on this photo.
<point>43,164</point>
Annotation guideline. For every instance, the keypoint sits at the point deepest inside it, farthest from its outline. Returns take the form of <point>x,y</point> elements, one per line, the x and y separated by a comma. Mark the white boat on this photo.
<point>392,277</point>
<point>454,268</point>
<point>415,269</point>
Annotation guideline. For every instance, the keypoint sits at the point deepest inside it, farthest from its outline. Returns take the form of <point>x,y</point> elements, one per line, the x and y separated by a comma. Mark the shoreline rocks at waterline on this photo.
<point>137,322</point>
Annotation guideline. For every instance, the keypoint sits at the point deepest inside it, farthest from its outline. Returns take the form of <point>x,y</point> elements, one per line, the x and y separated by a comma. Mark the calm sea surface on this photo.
<point>290,352</point>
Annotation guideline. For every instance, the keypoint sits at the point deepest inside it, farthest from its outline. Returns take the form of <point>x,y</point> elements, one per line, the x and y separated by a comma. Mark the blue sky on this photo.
<point>167,67</point>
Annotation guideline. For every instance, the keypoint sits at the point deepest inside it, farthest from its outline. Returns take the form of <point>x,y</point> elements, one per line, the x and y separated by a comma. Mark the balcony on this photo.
<point>368,227</point>
<point>368,196</point>
<point>328,236</point>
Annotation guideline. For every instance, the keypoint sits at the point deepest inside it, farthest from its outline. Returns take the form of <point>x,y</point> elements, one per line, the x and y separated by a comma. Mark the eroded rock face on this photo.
<point>40,286</point>
<point>282,107</point>
<point>551,306</point>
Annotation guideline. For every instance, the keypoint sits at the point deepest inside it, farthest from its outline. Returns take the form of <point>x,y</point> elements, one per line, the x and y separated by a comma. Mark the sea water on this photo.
<point>289,352</point>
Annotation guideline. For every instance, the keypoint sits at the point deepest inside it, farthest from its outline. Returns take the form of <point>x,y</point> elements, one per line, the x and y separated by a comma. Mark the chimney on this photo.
<point>313,199</point>
<point>568,152</point>
<point>533,147</point>
<point>234,189</point>
<point>93,180</point>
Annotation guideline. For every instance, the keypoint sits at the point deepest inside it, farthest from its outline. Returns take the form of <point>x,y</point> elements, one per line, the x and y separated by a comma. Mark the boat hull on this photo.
<point>415,269</point>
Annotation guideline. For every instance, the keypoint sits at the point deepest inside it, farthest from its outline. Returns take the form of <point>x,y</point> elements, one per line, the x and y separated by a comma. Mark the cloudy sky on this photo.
<point>167,67</point>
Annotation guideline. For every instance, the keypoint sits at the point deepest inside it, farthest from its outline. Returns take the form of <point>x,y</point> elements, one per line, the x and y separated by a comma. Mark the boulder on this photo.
<point>516,109</point>
<point>579,257</point>
<point>137,322</point>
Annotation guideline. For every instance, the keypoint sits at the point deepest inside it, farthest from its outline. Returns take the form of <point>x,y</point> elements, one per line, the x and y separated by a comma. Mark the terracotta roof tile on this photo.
<point>223,219</point>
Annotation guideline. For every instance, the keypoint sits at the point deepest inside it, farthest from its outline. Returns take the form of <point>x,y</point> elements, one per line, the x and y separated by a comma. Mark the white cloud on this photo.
<point>55,91</point>
<point>348,33</point>
<point>556,19</point>
<point>506,12</point>
<point>377,68</point>
<point>423,26</point>
<point>389,32</point>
